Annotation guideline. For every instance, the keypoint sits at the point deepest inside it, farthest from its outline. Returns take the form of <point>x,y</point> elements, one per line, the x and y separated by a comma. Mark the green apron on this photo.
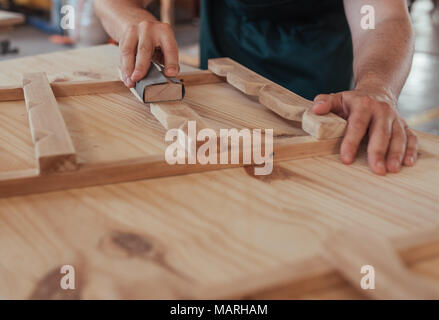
<point>304,45</point>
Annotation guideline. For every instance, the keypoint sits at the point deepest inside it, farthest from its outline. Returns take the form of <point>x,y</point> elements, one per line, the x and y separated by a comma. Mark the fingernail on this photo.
<point>348,158</point>
<point>381,166</point>
<point>396,164</point>
<point>136,75</point>
<point>317,103</point>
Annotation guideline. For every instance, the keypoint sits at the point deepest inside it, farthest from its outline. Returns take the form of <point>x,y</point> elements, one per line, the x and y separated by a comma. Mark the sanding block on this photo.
<point>156,87</point>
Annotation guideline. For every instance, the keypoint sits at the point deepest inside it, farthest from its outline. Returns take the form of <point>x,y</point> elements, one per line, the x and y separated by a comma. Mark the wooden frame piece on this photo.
<point>278,99</point>
<point>29,181</point>
<point>170,114</point>
<point>53,146</point>
<point>91,87</point>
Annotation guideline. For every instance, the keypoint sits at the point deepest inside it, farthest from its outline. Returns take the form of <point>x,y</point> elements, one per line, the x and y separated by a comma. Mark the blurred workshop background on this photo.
<point>31,27</point>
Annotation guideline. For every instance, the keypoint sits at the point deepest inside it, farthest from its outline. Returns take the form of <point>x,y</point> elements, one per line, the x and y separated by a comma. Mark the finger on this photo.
<point>411,154</point>
<point>358,122</point>
<point>170,50</point>
<point>127,52</point>
<point>379,138</point>
<point>398,144</point>
<point>144,55</point>
<point>325,103</point>
<point>158,56</point>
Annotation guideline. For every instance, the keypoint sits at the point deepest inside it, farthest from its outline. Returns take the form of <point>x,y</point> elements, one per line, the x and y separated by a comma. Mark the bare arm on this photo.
<point>139,35</point>
<point>382,61</point>
<point>383,56</point>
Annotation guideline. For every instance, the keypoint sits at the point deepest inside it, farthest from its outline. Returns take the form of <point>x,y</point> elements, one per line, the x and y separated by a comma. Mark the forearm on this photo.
<point>383,57</point>
<point>117,15</point>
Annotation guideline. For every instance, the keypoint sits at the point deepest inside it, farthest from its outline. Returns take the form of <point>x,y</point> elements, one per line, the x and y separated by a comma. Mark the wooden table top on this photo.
<point>174,237</point>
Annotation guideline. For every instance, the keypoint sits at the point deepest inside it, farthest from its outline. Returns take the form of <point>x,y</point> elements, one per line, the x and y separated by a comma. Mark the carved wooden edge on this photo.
<point>54,148</point>
<point>90,87</point>
<point>29,182</point>
<point>315,273</point>
<point>278,99</point>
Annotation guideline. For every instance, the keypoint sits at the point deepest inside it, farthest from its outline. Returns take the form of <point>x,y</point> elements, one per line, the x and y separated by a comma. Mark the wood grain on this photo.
<point>349,250</point>
<point>328,126</point>
<point>53,146</point>
<point>284,102</point>
<point>175,237</point>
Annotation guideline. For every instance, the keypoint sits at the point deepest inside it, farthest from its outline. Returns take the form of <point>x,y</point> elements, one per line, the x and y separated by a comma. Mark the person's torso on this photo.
<point>304,45</point>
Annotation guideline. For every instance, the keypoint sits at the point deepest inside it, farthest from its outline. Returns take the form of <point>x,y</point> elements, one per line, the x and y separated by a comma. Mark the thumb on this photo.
<point>325,103</point>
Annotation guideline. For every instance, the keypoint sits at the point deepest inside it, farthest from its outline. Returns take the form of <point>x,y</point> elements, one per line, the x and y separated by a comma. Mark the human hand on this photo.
<point>143,42</point>
<point>368,111</point>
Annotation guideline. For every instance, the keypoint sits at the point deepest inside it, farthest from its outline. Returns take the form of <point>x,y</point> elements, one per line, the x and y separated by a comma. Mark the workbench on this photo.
<point>218,234</point>
<point>7,21</point>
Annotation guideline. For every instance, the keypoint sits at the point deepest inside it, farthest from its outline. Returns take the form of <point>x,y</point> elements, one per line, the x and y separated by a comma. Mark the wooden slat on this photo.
<point>278,99</point>
<point>78,88</point>
<point>11,93</point>
<point>200,77</point>
<point>176,115</point>
<point>283,102</point>
<point>53,146</point>
<point>323,127</point>
<point>28,182</point>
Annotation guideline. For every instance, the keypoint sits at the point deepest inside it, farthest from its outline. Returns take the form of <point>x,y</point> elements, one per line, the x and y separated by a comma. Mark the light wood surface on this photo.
<point>53,146</point>
<point>352,250</point>
<point>178,236</point>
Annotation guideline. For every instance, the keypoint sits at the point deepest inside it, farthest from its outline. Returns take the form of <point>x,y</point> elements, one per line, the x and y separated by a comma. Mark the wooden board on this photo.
<point>186,236</point>
<point>53,146</point>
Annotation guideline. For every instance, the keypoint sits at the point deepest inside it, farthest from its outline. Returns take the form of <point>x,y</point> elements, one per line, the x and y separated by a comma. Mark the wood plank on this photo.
<point>79,88</point>
<point>348,251</point>
<point>28,182</point>
<point>91,87</point>
<point>278,99</point>
<point>329,126</point>
<point>53,146</point>
<point>199,78</point>
<point>284,102</point>
<point>175,115</point>
<point>11,93</point>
